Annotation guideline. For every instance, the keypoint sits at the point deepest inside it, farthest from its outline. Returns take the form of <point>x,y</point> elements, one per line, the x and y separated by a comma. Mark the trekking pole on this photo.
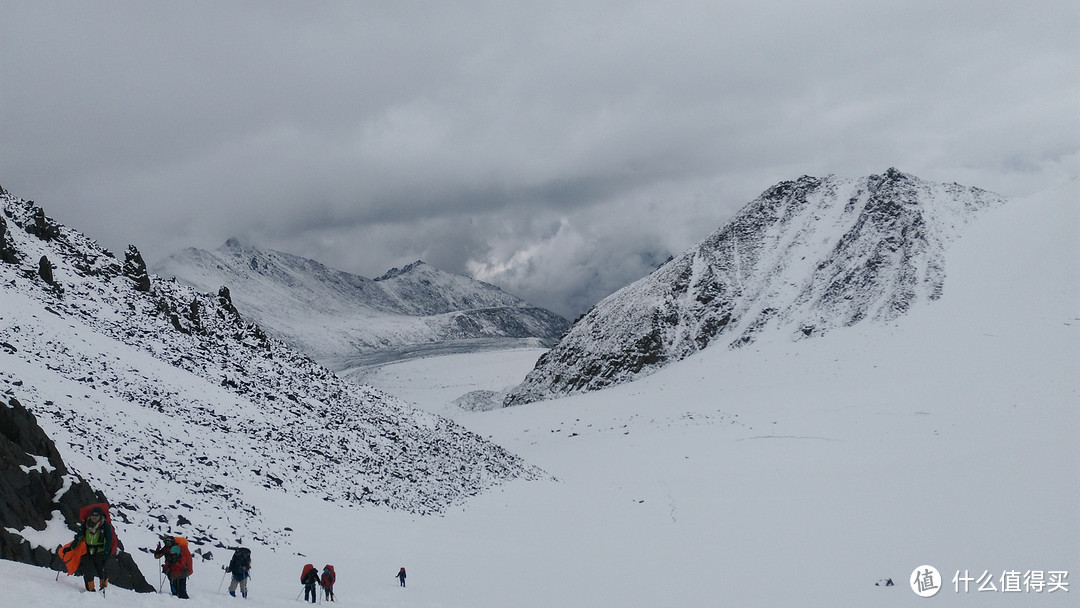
<point>222,580</point>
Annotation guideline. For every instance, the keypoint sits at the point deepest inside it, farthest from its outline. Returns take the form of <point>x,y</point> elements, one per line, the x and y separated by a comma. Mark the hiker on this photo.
<point>97,533</point>
<point>401,576</point>
<point>240,568</point>
<point>177,572</point>
<point>310,578</point>
<point>326,581</point>
<point>177,567</point>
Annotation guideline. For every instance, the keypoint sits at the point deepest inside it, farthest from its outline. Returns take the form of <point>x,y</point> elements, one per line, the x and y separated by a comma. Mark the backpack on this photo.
<point>104,506</point>
<point>185,552</point>
<point>329,577</point>
<point>241,560</point>
<point>174,563</point>
<point>309,569</point>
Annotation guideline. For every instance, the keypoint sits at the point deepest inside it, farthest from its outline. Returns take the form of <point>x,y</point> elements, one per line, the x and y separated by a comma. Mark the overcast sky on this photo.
<point>559,150</point>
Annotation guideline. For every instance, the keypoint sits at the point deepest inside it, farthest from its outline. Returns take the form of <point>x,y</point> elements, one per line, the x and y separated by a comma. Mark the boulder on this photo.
<point>7,251</point>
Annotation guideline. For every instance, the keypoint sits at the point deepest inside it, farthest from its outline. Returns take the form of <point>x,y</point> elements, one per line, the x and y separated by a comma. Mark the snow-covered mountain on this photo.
<point>787,473</point>
<point>346,321</point>
<point>804,258</point>
<point>168,401</point>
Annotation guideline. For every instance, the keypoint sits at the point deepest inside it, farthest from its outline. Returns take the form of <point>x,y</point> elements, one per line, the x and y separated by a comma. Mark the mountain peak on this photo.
<point>894,173</point>
<point>804,258</point>
<point>348,321</point>
<point>396,272</point>
<point>235,243</point>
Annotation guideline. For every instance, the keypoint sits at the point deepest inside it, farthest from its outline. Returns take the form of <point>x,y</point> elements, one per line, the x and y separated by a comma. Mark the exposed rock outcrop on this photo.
<point>7,249</point>
<point>36,487</point>
<point>135,269</point>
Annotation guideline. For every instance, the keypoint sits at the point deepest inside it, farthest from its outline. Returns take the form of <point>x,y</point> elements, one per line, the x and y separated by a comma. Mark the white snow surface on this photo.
<point>781,474</point>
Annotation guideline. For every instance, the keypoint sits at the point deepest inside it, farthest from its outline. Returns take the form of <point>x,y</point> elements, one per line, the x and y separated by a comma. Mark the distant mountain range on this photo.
<point>806,257</point>
<point>346,321</point>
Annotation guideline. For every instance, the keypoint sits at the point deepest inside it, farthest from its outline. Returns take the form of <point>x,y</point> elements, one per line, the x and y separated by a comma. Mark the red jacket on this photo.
<point>328,577</point>
<point>175,568</point>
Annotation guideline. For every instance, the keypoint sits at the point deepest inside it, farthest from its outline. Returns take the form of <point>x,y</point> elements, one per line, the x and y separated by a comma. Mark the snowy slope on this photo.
<point>173,406</point>
<point>804,258</point>
<point>786,473</point>
<point>802,473</point>
<point>346,321</point>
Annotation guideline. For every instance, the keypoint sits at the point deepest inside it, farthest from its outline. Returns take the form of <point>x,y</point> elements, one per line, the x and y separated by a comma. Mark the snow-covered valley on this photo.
<point>783,473</point>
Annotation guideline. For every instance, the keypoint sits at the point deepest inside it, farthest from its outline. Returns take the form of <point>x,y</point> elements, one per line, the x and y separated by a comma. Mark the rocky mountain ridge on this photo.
<point>347,321</point>
<point>804,258</point>
<point>168,401</point>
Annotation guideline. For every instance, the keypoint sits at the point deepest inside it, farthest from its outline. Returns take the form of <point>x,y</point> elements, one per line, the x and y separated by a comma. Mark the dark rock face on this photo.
<point>32,475</point>
<point>135,269</point>
<point>42,226</point>
<point>45,270</point>
<point>225,299</point>
<point>804,258</point>
<point>7,251</point>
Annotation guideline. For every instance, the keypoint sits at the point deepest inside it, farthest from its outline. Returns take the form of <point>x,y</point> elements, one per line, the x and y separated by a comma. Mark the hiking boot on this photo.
<point>232,593</point>
<point>104,583</point>
<point>90,586</point>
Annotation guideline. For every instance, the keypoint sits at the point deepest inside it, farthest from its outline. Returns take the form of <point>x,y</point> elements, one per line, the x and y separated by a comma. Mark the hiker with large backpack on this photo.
<point>327,580</point>
<point>309,577</point>
<point>98,542</point>
<point>178,563</point>
<point>240,568</point>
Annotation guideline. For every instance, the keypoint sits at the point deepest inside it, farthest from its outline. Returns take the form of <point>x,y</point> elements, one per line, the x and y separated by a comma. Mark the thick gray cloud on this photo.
<point>557,149</point>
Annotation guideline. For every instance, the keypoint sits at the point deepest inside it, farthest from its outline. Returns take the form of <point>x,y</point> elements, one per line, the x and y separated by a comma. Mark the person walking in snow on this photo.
<point>177,567</point>
<point>99,537</point>
<point>310,578</point>
<point>326,581</point>
<point>177,572</point>
<point>401,576</point>
<point>240,568</point>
